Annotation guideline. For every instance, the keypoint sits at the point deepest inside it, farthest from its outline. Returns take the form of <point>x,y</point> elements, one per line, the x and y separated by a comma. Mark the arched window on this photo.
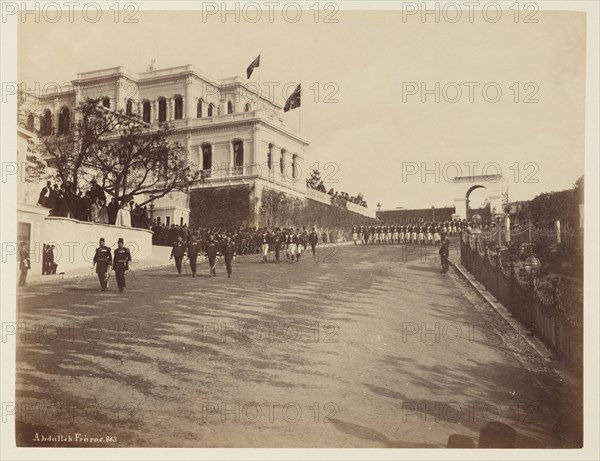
<point>199,109</point>
<point>178,107</point>
<point>238,156</point>
<point>281,165</point>
<point>162,110</point>
<point>46,124</point>
<point>229,107</point>
<point>106,102</point>
<point>211,110</point>
<point>146,111</point>
<point>247,107</point>
<point>129,107</point>
<point>63,121</point>
<point>30,122</point>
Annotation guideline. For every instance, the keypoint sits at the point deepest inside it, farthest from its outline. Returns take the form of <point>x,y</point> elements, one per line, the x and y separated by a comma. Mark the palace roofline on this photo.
<point>187,69</point>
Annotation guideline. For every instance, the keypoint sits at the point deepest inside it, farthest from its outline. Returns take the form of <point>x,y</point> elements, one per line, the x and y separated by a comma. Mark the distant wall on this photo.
<point>263,206</point>
<point>282,210</point>
<point>410,216</point>
<point>75,242</point>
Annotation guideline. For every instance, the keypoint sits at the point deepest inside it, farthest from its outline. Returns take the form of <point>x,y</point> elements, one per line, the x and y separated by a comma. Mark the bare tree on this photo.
<point>126,156</point>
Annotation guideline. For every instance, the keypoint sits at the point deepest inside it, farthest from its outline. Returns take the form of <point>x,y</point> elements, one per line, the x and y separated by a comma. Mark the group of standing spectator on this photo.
<point>66,201</point>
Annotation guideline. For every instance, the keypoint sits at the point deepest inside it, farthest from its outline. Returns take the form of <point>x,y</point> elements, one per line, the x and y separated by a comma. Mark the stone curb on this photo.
<point>34,279</point>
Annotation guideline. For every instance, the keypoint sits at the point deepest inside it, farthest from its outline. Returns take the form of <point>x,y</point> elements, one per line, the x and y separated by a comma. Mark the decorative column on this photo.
<point>170,107</point>
<point>460,205</point>
<point>187,100</point>
<point>55,116</point>
<point>253,163</point>
<point>154,111</point>
<point>76,113</point>
<point>118,99</point>
<point>287,170</point>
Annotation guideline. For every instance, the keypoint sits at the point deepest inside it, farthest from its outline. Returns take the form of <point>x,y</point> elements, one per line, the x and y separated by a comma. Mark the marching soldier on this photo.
<point>103,262</point>
<point>228,251</point>
<point>354,234</point>
<point>445,253</point>
<point>192,252</point>
<point>121,261</point>
<point>211,252</point>
<point>304,236</point>
<point>178,252</point>
<point>265,240</point>
<point>278,244</point>
<point>436,233</point>
<point>313,239</point>
<point>299,244</point>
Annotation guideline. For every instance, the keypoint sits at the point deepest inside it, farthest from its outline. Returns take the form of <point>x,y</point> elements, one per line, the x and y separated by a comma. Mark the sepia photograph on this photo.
<point>299,225</point>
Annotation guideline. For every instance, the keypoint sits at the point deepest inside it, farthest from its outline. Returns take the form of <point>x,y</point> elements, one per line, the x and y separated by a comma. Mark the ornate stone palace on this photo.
<point>235,135</point>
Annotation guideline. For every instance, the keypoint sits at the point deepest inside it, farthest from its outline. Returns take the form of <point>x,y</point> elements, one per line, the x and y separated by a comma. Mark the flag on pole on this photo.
<point>252,66</point>
<point>294,100</point>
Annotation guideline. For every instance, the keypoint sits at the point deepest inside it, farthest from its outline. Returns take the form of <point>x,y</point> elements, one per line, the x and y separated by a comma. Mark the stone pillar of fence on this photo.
<point>557,228</point>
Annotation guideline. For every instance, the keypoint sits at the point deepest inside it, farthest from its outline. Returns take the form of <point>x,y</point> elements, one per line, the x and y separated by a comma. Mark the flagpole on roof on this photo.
<point>300,111</point>
<point>259,84</point>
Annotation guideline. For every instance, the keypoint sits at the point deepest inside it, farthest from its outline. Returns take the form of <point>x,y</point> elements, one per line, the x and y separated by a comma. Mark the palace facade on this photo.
<point>234,134</point>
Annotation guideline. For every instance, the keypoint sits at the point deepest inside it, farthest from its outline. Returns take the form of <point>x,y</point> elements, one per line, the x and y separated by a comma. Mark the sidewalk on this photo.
<point>160,257</point>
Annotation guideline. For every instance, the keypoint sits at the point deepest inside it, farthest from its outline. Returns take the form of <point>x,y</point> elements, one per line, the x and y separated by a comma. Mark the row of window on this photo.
<point>238,155</point>
<point>178,115</point>
<point>64,116</point>
<point>238,158</point>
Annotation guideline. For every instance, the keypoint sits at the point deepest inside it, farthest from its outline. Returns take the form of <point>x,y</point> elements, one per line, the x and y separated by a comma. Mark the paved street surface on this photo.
<point>365,347</point>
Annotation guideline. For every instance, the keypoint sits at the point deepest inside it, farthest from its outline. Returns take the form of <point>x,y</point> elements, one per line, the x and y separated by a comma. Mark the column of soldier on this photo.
<point>266,244</point>
<point>428,233</point>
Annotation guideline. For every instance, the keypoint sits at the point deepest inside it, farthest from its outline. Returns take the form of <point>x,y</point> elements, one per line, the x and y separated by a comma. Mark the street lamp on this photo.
<point>499,219</point>
<point>532,266</point>
<point>476,230</point>
<point>432,213</point>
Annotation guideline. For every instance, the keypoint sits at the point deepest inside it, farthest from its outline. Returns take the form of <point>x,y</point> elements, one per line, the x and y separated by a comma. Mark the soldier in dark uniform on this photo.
<point>121,260</point>
<point>313,239</point>
<point>24,263</point>
<point>277,243</point>
<point>228,251</point>
<point>178,252</point>
<point>103,262</point>
<point>212,249</point>
<point>193,249</point>
<point>445,253</point>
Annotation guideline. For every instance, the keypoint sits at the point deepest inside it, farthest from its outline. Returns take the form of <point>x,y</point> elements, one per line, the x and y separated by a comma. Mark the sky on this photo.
<point>370,127</point>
